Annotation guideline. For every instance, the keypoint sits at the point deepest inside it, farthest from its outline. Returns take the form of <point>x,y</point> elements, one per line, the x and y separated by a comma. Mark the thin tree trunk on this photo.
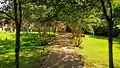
<point>110,34</point>
<point>18,25</point>
<point>111,65</point>
<point>55,27</point>
<point>17,36</point>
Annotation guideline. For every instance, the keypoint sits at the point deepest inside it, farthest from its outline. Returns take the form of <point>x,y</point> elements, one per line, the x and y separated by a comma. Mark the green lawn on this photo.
<point>31,53</point>
<point>95,51</point>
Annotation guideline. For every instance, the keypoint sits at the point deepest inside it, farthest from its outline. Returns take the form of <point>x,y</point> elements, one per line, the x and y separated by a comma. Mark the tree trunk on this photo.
<point>18,26</point>
<point>17,44</point>
<point>110,34</point>
<point>110,25</point>
<point>55,27</point>
<point>17,36</point>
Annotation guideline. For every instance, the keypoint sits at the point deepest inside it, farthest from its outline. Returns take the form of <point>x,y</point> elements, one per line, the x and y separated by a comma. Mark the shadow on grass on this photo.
<point>29,39</point>
<point>7,53</point>
<point>98,37</point>
<point>27,60</point>
<point>117,41</point>
<point>6,46</point>
<point>31,55</point>
<point>7,64</point>
<point>33,40</point>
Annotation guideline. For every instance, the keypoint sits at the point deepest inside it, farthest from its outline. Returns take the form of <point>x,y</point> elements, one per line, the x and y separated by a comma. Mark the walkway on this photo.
<point>62,54</point>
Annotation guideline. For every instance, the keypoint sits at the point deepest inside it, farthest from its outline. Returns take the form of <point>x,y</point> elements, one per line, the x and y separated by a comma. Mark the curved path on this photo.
<point>62,54</point>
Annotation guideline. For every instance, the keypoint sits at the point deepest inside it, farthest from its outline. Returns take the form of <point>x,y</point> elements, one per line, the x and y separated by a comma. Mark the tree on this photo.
<point>6,9</point>
<point>18,26</point>
<point>110,28</point>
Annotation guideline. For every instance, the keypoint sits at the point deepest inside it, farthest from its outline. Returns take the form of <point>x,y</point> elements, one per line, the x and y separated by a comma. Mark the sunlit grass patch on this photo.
<point>95,50</point>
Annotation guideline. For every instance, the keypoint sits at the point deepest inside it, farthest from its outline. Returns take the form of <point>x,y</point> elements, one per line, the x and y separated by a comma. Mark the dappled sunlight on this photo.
<point>93,50</point>
<point>62,55</point>
<point>59,33</point>
<point>63,60</point>
<point>31,54</point>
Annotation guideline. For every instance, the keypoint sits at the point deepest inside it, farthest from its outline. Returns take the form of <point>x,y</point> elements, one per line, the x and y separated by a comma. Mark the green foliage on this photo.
<point>90,29</point>
<point>46,39</point>
<point>80,13</point>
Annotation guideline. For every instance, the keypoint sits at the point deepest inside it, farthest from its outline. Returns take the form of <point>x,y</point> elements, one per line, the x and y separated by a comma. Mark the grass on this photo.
<point>95,51</point>
<point>31,53</point>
